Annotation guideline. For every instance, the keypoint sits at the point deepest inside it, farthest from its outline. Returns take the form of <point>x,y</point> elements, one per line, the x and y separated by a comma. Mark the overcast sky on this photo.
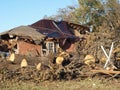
<point>15,13</point>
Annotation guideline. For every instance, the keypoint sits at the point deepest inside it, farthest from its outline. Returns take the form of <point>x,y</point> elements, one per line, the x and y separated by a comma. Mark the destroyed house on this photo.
<point>42,37</point>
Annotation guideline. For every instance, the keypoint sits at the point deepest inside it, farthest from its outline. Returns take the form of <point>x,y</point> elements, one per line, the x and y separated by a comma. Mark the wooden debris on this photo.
<point>38,67</point>
<point>118,59</point>
<point>116,50</point>
<point>89,59</point>
<point>59,60</point>
<point>11,57</point>
<point>109,68</point>
<point>61,57</point>
<point>24,63</point>
<point>103,59</point>
<point>76,32</point>
<point>109,72</point>
<point>64,54</point>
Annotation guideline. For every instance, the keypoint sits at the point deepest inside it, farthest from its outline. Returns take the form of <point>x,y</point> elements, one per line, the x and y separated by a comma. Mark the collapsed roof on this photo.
<point>61,29</point>
<point>24,31</point>
<point>46,28</point>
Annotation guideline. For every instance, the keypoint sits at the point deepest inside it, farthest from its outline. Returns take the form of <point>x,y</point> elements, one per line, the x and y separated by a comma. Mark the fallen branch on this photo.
<point>106,71</point>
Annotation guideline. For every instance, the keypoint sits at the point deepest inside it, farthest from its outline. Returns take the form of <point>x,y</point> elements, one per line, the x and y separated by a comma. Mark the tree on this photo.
<point>113,16</point>
<point>93,13</point>
<point>67,14</point>
<point>89,11</point>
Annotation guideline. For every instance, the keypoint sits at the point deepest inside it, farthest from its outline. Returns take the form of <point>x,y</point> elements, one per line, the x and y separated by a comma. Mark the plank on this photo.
<point>106,71</point>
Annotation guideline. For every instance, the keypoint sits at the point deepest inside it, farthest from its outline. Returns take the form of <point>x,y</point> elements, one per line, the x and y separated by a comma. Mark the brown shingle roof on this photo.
<point>25,31</point>
<point>61,29</point>
<point>50,28</point>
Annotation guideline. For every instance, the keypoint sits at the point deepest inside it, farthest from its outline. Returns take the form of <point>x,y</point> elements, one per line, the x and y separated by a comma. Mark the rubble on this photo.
<point>86,61</point>
<point>24,63</point>
<point>11,57</point>
<point>38,67</point>
<point>89,60</point>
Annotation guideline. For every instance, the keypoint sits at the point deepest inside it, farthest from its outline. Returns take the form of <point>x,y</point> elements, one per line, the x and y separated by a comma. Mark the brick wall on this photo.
<point>25,48</point>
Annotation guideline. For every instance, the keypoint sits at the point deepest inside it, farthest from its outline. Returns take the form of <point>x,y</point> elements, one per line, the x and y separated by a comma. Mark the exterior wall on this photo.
<point>25,48</point>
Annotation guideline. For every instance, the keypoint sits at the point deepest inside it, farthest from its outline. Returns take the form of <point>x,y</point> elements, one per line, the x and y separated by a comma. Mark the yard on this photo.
<point>87,84</point>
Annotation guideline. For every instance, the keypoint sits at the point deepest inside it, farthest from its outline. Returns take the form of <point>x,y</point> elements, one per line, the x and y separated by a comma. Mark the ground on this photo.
<point>91,84</point>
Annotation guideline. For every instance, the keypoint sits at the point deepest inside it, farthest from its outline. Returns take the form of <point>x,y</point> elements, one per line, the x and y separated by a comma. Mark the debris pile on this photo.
<point>88,61</point>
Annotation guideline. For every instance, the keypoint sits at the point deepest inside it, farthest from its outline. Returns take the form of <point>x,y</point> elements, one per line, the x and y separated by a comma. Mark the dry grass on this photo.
<point>88,84</point>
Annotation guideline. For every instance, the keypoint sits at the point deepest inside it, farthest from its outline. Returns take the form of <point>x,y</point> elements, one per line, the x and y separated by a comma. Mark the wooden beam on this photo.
<point>106,71</point>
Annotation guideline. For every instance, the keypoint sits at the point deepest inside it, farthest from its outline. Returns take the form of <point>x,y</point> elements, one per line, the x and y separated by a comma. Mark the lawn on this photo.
<point>87,84</point>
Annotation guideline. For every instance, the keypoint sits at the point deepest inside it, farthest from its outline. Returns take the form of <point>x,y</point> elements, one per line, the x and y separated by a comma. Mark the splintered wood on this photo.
<point>107,72</point>
<point>38,67</point>
<point>11,57</point>
<point>24,63</point>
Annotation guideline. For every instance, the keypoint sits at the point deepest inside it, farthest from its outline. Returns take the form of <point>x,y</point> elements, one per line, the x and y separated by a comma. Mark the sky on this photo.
<point>14,13</point>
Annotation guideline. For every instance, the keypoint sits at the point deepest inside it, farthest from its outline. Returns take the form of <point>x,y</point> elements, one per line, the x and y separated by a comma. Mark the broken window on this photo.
<point>50,46</point>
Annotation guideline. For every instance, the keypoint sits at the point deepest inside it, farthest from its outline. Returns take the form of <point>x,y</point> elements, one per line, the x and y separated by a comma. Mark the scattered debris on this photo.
<point>80,58</point>
<point>89,60</point>
<point>59,60</point>
<point>11,57</point>
<point>107,72</point>
<point>38,67</point>
<point>24,63</point>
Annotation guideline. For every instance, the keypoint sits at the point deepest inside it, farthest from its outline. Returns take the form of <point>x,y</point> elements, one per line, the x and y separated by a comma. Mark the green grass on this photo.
<point>88,84</point>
